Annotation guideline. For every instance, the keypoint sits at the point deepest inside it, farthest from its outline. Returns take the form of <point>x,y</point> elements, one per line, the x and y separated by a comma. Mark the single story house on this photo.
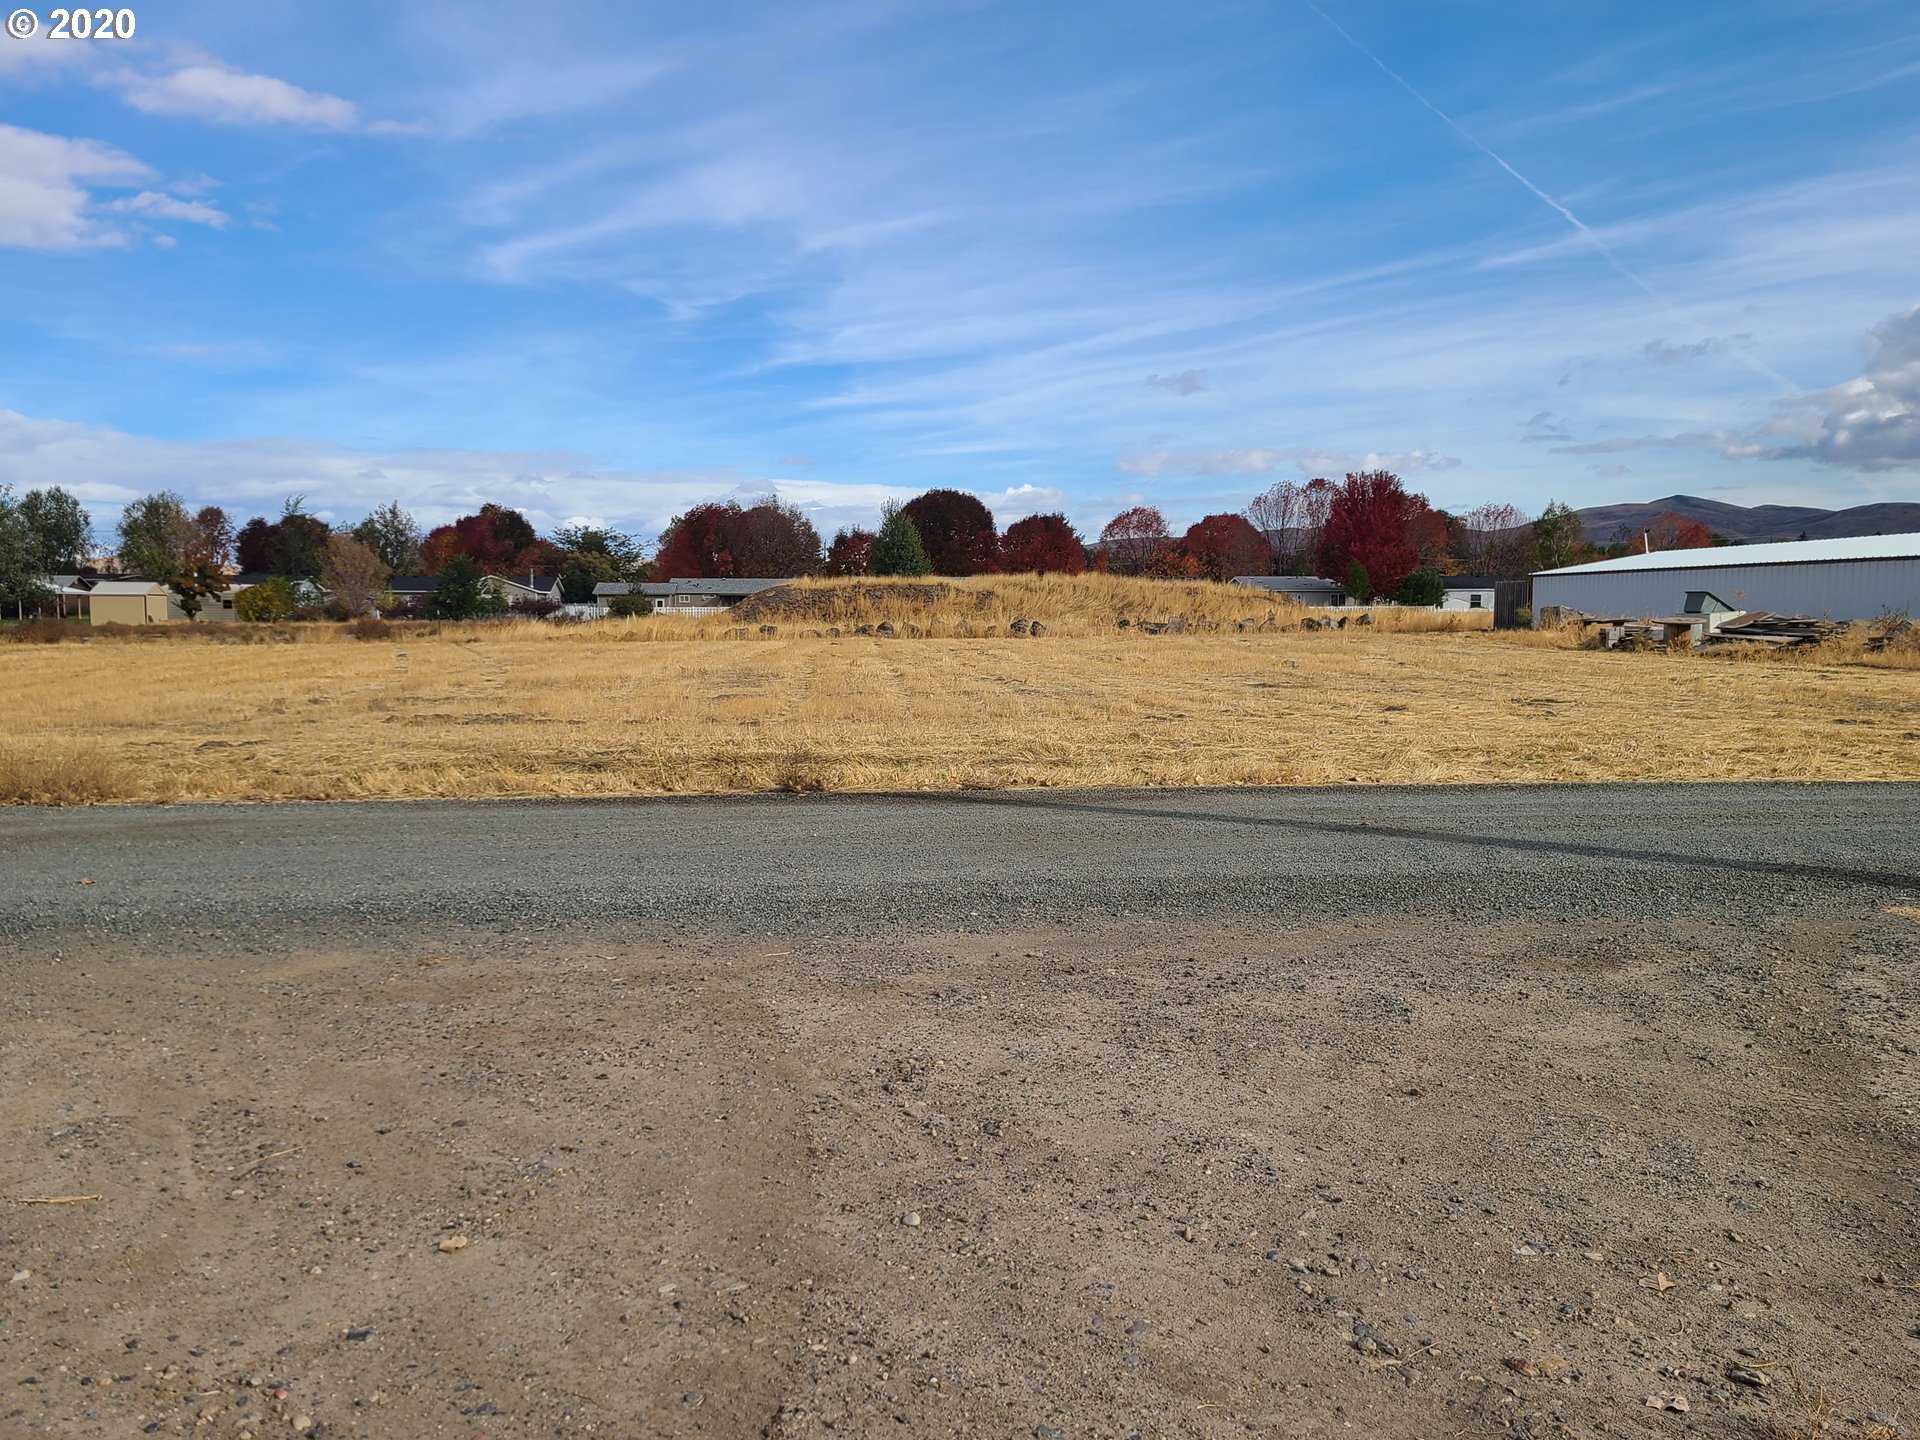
<point>685,597</point>
<point>1468,592</point>
<point>413,592</point>
<point>1300,589</point>
<point>528,586</point>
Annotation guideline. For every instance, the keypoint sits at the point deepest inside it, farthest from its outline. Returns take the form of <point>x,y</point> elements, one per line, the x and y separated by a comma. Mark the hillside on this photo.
<point>1754,523</point>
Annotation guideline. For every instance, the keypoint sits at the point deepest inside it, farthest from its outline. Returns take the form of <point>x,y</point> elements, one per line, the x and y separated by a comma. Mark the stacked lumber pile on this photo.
<point>1756,627</point>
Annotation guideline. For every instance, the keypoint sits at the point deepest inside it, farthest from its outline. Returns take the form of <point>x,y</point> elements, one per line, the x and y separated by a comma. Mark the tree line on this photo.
<point>1367,531</point>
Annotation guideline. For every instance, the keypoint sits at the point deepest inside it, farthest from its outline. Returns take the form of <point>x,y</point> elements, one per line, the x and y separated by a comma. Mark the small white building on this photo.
<point>1468,592</point>
<point>1857,578</point>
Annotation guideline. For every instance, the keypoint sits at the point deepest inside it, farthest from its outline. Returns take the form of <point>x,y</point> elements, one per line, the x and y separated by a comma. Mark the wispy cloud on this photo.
<point>1307,461</point>
<point>1187,382</point>
<point>205,88</point>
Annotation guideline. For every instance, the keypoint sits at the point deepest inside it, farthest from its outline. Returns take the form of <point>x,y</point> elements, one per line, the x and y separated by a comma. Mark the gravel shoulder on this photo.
<point>1279,1113</point>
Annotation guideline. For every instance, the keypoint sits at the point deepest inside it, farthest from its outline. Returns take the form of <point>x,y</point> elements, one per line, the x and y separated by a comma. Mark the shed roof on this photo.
<point>1783,552</point>
<point>1469,582</point>
<point>127,587</point>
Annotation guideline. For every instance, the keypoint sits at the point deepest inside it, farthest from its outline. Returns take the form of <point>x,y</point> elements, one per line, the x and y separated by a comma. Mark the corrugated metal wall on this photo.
<point>1837,589</point>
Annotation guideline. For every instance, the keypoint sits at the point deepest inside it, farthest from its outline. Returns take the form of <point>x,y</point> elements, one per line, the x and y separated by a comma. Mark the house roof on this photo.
<point>526,582</point>
<point>126,587</point>
<point>413,584</point>
<point>1783,552</point>
<point>1296,584</point>
<point>684,587</point>
<point>1469,582</point>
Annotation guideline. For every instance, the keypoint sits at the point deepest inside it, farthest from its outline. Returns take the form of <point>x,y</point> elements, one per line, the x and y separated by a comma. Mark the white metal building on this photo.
<point>1851,579</point>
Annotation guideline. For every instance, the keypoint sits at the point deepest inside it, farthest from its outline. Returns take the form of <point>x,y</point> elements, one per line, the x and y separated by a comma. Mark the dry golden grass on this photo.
<point>666,705</point>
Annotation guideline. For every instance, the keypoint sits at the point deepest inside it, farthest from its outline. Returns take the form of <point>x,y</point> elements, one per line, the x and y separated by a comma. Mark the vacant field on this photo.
<point>531,711</point>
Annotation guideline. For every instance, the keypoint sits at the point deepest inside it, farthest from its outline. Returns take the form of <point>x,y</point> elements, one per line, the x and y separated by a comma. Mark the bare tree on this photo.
<point>1275,513</point>
<point>354,574</point>
<point>1499,540</point>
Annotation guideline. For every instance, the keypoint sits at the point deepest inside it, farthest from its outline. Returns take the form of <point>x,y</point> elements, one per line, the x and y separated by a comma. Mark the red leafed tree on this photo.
<point>495,539</point>
<point>957,531</point>
<point>1043,544</point>
<point>847,555</point>
<point>1133,538</point>
<point>767,540</point>
<point>1375,521</point>
<point>694,545</point>
<point>1675,532</point>
<point>1223,546</point>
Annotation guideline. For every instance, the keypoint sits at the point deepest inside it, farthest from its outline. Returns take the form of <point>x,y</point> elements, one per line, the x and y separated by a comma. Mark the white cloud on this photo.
<point>209,89</point>
<point>1868,423</point>
<point>107,468</point>
<point>154,205</point>
<point>45,189</point>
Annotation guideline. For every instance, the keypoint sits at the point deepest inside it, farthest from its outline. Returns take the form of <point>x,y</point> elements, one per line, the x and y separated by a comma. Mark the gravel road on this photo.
<point>824,864</point>
<point>1509,1111</point>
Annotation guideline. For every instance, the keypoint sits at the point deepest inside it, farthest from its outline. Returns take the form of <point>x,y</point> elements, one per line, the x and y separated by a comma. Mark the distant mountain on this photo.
<point>1753,523</point>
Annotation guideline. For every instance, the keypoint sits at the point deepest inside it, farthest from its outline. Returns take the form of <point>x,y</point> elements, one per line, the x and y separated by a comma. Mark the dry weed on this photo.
<point>57,772</point>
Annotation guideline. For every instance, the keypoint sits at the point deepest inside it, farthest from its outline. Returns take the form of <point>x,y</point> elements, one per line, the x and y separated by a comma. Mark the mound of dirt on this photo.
<point>802,604</point>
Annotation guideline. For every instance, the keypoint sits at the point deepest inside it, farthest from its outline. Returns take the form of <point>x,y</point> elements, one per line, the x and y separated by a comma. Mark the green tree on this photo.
<point>897,550</point>
<point>594,555</point>
<point>21,583</point>
<point>1422,587</point>
<point>61,528</point>
<point>1359,586</point>
<point>1556,536</point>
<point>461,592</point>
<point>394,535</point>
<point>157,536</point>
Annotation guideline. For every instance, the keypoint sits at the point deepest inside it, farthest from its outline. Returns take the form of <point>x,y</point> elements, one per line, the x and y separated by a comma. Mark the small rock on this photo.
<point>1520,1365</point>
<point>1049,1432</point>
<point>911,1219</point>
<point>1186,1233</point>
<point>695,1397</point>
<point>452,1244</point>
<point>1036,630</point>
<point>885,627</point>
<point>364,1332</point>
<point>302,1424</point>
<point>1747,1375</point>
<point>1018,625</point>
<point>20,1277</point>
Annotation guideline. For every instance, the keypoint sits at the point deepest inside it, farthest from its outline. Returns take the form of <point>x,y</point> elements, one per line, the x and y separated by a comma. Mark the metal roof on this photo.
<point>1783,552</point>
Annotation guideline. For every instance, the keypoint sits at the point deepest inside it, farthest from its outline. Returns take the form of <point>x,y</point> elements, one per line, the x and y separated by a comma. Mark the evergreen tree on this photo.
<point>1359,586</point>
<point>897,550</point>
<point>460,593</point>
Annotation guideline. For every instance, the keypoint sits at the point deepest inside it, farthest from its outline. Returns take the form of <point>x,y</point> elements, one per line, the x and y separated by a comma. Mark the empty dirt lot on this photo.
<point>1411,1113</point>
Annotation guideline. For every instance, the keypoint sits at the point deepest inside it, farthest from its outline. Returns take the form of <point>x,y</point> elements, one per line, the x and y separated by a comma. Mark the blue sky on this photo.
<point>604,261</point>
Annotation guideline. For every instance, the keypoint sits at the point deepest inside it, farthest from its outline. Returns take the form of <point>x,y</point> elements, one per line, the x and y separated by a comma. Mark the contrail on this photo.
<point>1580,227</point>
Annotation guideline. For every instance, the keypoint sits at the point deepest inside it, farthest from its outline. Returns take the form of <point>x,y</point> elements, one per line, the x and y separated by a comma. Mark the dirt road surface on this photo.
<point>1514,1112</point>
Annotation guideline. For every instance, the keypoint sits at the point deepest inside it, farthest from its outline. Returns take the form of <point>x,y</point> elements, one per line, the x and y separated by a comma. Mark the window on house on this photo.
<point>1473,602</point>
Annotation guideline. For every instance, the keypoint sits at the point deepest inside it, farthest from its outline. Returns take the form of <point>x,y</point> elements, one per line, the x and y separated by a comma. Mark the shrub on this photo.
<point>1422,587</point>
<point>532,607</point>
<point>41,630</point>
<point>1523,616</point>
<point>627,606</point>
<point>369,627</point>
<point>266,603</point>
